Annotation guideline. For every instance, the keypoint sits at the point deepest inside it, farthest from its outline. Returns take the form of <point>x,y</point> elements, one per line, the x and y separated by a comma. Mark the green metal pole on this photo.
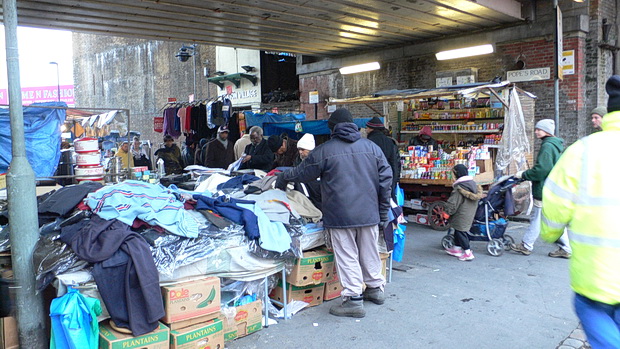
<point>23,220</point>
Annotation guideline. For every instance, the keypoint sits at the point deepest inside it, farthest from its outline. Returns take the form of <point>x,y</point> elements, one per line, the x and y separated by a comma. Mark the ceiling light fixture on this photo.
<point>464,52</point>
<point>352,69</point>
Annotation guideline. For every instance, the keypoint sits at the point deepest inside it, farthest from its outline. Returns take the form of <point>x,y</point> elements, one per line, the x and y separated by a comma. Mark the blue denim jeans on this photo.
<point>600,321</point>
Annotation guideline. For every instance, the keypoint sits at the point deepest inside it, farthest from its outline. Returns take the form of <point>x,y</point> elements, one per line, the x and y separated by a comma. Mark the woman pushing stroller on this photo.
<point>461,209</point>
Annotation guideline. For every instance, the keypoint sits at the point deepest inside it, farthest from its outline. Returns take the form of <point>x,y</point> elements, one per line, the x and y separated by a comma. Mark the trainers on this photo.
<point>350,307</point>
<point>467,256</point>
<point>375,295</point>
<point>520,248</point>
<point>455,251</point>
<point>560,253</point>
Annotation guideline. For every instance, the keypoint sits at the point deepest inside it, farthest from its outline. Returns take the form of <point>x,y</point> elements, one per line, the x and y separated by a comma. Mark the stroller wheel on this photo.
<point>495,247</point>
<point>435,216</point>
<point>447,241</point>
<point>508,241</point>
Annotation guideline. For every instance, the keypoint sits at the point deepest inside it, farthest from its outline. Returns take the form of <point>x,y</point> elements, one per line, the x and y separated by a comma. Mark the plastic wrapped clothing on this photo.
<point>64,200</point>
<point>151,203</point>
<point>42,136</point>
<point>232,211</point>
<point>123,270</point>
<point>74,321</point>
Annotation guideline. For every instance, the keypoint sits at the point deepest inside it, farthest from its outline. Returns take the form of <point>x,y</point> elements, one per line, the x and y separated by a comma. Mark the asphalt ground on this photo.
<point>437,301</point>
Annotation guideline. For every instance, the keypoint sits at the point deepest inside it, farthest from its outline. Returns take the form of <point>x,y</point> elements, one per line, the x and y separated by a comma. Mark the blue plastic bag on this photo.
<point>74,321</point>
<point>400,195</point>
<point>399,243</point>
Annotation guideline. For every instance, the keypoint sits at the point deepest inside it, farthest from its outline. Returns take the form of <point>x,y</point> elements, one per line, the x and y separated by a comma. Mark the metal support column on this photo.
<point>23,220</point>
<point>556,84</point>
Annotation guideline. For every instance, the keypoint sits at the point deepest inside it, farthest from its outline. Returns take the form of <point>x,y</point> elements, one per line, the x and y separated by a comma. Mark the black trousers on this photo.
<point>461,239</point>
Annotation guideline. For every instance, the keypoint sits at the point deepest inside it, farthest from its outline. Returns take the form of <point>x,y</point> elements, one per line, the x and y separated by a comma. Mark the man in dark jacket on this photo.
<point>284,150</point>
<point>550,151</point>
<point>257,153</point>
<point>376,133</point>
<point>355,187</point>
<point>220,152</point>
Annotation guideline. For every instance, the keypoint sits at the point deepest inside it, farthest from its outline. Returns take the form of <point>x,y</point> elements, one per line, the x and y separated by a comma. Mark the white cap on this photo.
<point>306,142</point>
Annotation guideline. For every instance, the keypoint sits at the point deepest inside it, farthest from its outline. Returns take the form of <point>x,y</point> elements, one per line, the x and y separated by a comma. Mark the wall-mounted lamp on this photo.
<point>464,52</point>
<point>220,73</point>
<point>247,68</point>
<point>606,29</point>
<point>352,69</point>
<point>185,52</point>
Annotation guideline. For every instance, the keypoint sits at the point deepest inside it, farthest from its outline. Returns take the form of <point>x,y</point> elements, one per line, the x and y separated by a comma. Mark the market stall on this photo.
<point>486,127</point>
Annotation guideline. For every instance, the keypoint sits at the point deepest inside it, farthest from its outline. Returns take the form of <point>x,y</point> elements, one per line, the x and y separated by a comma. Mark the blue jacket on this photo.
<point>355,179</point>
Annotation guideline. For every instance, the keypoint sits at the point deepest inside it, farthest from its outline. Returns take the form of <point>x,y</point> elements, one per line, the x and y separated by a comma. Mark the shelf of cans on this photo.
<point>420,162</point>
<point>487,126</point>
<point>458,114</point>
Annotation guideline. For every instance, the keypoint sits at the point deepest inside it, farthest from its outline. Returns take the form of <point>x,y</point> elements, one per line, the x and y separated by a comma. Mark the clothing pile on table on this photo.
<point>131,236</point>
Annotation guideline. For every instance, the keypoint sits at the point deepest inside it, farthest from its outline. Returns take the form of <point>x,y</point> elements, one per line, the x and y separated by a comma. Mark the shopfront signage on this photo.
<point>313,97</point>
<point>42,94</point>
<point>529,74</point>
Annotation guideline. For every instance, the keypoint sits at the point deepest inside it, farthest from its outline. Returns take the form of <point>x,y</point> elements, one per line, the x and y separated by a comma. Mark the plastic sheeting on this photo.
<point>315,127</point>
<point>42,133</point>
<point>259,119</point>
<point>5,243</point>
<point>514,144</point>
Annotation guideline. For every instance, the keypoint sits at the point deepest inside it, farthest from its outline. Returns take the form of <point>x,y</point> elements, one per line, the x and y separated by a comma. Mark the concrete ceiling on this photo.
<point>314,27</point>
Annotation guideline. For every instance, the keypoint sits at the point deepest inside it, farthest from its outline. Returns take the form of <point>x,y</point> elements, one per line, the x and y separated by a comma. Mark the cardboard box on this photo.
<point>242,320</point>
<point>2,180</point>
<point>384,260</point>
<point>190,300</point>
<point>485,165</point>
<point>194,321</point>
<point>314,268</point>
<point>333,288</point>
<point>421,218</point>
<point>312,294</point>
<point>201,336</point>
<point>110,339</point>
<point>8,333</point>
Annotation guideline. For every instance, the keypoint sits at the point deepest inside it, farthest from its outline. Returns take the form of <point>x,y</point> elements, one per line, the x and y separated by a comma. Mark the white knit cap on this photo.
<point>546,125</point>
<point>306,142</point>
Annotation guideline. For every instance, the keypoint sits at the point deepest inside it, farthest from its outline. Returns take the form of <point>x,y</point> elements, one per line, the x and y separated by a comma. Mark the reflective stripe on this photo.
<point>593,240</point>
<point>559,191</point>
<point>553,224</point>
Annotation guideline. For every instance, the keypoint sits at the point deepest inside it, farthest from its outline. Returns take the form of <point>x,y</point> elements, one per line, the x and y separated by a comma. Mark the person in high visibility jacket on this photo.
<point>582,193</point>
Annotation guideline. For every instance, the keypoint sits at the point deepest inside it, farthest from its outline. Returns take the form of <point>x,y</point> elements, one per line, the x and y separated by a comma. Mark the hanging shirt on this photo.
<point>188,119</point>
<point>181,115</point>
<point>170,114</point>
<point>209,116</point>
<point>226,109</point>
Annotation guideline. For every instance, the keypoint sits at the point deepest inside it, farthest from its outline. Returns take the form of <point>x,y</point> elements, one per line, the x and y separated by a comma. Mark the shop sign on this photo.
<point>313,97</point>
<point>568,62</point>
<point>158,124</point>
<point>529,74</point>
<point>442,82</point>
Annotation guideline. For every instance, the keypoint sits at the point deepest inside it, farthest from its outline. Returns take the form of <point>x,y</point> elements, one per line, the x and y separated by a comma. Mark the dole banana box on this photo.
<point>110,339</point>
<point>208,335</point>
<point>242,320</point>
<point>314,268</point>
<point>312,294</point>
<point>191,299</point>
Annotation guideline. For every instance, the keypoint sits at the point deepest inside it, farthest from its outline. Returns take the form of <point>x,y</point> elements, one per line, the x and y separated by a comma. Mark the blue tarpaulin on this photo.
<point>315,127</point>
<point>42,133</point>
<point>255,119</point>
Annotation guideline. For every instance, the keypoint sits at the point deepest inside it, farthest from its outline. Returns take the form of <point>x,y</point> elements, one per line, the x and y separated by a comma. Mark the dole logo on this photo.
<point>317,275</point>
<point>242,315</point>
<point>178,294</point>
<point>308,299</point>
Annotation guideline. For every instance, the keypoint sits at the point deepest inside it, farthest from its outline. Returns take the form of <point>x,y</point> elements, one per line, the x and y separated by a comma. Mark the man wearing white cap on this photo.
<point>220,152</point>
<point>550,151</point>
<point>304,146</point>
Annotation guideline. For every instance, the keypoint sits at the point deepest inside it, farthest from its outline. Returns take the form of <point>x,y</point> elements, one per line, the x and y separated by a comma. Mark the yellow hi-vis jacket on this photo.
<point>582,193</point>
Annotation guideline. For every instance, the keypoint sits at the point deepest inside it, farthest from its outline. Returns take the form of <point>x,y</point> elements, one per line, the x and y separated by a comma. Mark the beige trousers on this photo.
<point>357,259</point>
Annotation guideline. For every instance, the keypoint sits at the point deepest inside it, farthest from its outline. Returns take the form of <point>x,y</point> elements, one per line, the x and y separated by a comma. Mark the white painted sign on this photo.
<point>465,79</point>
<point>442,82</point>
<point>529,74</point>
<point>331,108</point>
<point>400,105</point>
<point>568,62</point>
<point>313,97</point>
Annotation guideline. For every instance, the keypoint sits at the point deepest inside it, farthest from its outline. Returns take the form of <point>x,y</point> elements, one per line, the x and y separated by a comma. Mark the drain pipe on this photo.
<point>23,220</point>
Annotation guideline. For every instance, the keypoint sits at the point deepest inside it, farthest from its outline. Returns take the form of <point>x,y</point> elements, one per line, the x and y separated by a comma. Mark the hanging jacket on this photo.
<point>124,271</point>
<point>582,194</point>
<point>170,116</point>
<point>355,179</point>
<point>462,204</point>
<point>550,151</point>
<point>262,156</point>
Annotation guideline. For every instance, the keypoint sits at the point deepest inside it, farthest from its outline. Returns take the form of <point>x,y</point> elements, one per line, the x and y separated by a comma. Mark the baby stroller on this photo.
<point>489,224</point>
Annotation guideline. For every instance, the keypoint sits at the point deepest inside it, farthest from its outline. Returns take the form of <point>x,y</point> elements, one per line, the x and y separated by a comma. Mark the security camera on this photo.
<point>183,55</point>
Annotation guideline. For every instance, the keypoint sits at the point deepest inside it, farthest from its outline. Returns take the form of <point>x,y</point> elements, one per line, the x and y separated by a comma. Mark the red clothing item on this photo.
<point>188,119</point>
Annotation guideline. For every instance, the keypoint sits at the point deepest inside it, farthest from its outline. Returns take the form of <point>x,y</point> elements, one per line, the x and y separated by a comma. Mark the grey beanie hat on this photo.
<point>599,110</point>
<point>546,125</point>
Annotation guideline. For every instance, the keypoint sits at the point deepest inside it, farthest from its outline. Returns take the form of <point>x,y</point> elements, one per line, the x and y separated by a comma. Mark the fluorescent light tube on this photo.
<point>352,69</point>
<point>464,52</point>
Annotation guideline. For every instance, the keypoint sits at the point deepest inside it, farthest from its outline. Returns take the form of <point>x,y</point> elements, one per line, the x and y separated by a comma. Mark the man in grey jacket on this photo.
<point>355,186</point>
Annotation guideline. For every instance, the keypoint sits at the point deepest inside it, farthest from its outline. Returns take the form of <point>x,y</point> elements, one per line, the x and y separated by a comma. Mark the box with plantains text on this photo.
<point>191,299</point>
